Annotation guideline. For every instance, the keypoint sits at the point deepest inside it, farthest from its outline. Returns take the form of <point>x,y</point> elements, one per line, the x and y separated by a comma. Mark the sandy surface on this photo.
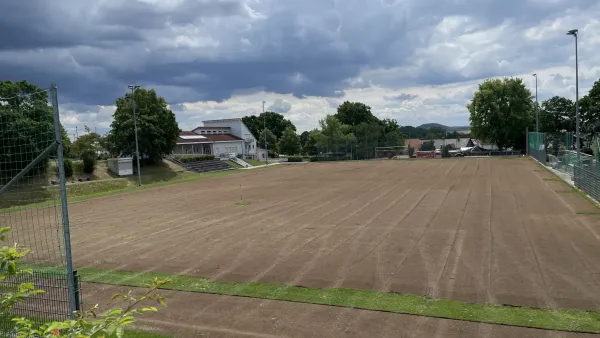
<point>478,230</point>
<point>202,315</point>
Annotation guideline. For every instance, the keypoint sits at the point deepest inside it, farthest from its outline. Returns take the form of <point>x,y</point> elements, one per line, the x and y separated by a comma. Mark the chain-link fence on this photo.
<point>361,147</point>
<point>33,196</point>
<point>588,181</point>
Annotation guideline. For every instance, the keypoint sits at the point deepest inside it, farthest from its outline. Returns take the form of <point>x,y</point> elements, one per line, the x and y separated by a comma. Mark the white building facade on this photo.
<point>236,128</point>
<point>222,138</point>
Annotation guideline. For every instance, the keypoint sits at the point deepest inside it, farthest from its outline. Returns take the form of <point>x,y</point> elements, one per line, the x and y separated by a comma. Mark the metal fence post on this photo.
<point>63,201</point>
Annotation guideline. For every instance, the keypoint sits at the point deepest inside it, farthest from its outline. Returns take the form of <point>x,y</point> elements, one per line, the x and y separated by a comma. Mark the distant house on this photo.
<point>414,143</point>
<point>221,138</point>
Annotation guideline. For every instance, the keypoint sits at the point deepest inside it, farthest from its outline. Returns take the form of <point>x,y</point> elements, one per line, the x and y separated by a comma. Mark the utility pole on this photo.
<point>137,148</point>
<point>537,115</point>
<point>265,134</point>
<point>574,33</point>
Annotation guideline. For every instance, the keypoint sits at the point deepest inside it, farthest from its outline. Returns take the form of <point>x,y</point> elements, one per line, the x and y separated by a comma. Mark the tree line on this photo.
<point>503,109</point>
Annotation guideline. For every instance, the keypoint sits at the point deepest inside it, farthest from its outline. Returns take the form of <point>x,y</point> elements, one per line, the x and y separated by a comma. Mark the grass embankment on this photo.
<point>560,320</point>
<point>40,194</point>
<point>254,163</point>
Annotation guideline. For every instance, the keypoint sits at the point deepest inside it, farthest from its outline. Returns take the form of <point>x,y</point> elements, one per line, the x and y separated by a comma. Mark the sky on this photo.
<point>416,61</point>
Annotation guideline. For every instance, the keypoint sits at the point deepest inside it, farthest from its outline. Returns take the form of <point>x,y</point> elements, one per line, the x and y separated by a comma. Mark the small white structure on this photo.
<point>122,166</point>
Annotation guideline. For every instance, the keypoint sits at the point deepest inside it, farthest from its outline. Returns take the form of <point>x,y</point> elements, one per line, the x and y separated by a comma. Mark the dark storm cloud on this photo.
<point>209,49</point>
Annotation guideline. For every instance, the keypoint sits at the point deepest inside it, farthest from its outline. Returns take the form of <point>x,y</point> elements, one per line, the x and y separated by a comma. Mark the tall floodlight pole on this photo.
<point>574,32</point>
<point>265,134</point>
<point>137,148</point>
<point>537,115</point>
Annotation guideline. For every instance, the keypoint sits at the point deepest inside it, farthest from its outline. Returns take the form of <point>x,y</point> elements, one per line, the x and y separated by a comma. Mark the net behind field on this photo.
<point>31,196</point>
<point>30,204</point>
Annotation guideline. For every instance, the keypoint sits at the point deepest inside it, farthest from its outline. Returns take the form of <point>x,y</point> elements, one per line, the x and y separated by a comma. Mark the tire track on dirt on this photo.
<point>388,283</point>
<point>347,270</point>
<point>310,264</point>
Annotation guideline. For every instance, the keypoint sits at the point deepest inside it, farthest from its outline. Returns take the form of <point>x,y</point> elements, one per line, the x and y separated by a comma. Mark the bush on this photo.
<point>313,159</point>
<point>68,167</point>
<point>295,159</point>
<point>89,162</point>
<point>194,158</point>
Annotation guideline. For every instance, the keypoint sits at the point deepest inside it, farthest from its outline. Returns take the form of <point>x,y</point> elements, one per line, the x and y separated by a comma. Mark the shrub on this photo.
<point>68,167</point>
<point>313,159</point>
<point>89,162</point>
<point>295,159</point>
<point>89,323</point>
<point>194,158</point>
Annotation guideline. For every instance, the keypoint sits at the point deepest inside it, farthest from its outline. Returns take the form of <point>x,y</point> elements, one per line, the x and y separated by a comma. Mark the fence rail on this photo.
<point>588,181</point>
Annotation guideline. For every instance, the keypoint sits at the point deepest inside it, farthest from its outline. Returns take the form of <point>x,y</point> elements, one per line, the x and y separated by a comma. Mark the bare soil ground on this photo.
<point>236,317</point>
<point>500,231</point>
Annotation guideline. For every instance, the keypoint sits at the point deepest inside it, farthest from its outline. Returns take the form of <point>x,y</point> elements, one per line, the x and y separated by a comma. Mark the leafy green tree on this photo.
<point>271,141</point>
<point>157,127</point>
<point>27,127</point>
<point>86,143</point>
<point>289,143</point>
<point>428,146</point>
<point>304,141</point>
<point>557,114</point>
<point>275,122</point>
<point>500,112</point>
<point>355,113</point>
<point>411,151</point>
<point>589,112</point>
<point>390,133</point>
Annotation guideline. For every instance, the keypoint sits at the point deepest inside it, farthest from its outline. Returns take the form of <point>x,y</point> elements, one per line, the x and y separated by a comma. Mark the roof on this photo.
<point>191,137</point>
<point>212,128</point>
<point>222,120</point>
<point>413,142</point>
<point>222,137</point>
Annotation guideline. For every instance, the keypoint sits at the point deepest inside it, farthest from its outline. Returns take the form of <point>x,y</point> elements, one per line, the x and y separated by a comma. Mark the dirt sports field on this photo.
<point>500,231</point>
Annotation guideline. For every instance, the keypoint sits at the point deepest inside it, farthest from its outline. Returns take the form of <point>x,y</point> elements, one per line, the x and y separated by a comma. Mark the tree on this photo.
<point>271,141</point>
<point>557,114</point>
<point>275,122</point>
<point>289,143</point>
<point>589,112</point>
<point>391,134</point>
<point>355,113</point>
<point>411,151</point>
<point>88,142</point>
<point>304,141</point>
<point>157,127</point>
<point>500,112</point>
<point>428,146</point>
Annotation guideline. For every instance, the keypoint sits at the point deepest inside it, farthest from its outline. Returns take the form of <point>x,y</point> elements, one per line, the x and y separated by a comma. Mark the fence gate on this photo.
<point>33,200</point>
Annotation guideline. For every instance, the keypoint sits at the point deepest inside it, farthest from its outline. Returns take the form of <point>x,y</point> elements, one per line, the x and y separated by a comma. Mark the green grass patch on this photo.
<point>233,164</point>
<point>555,179</point>
<point>560,320</point>
<point>254,163</point>
<point>588,213</point>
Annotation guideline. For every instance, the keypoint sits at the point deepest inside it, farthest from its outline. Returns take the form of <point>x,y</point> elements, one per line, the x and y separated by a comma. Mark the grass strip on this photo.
<point>559,320</point>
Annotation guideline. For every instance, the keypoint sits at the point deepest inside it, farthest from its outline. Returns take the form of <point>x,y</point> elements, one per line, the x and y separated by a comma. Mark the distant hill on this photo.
<point>449,129</point>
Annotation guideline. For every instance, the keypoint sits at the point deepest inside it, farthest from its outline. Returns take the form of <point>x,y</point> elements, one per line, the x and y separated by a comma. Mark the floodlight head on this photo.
<point>534,74</point>
<point>133,87</point>
<point>573,32</point>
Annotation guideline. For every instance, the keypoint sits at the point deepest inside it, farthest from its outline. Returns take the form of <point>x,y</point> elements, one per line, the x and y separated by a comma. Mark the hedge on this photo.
<point>294,159</point>
<point>194,158</point>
